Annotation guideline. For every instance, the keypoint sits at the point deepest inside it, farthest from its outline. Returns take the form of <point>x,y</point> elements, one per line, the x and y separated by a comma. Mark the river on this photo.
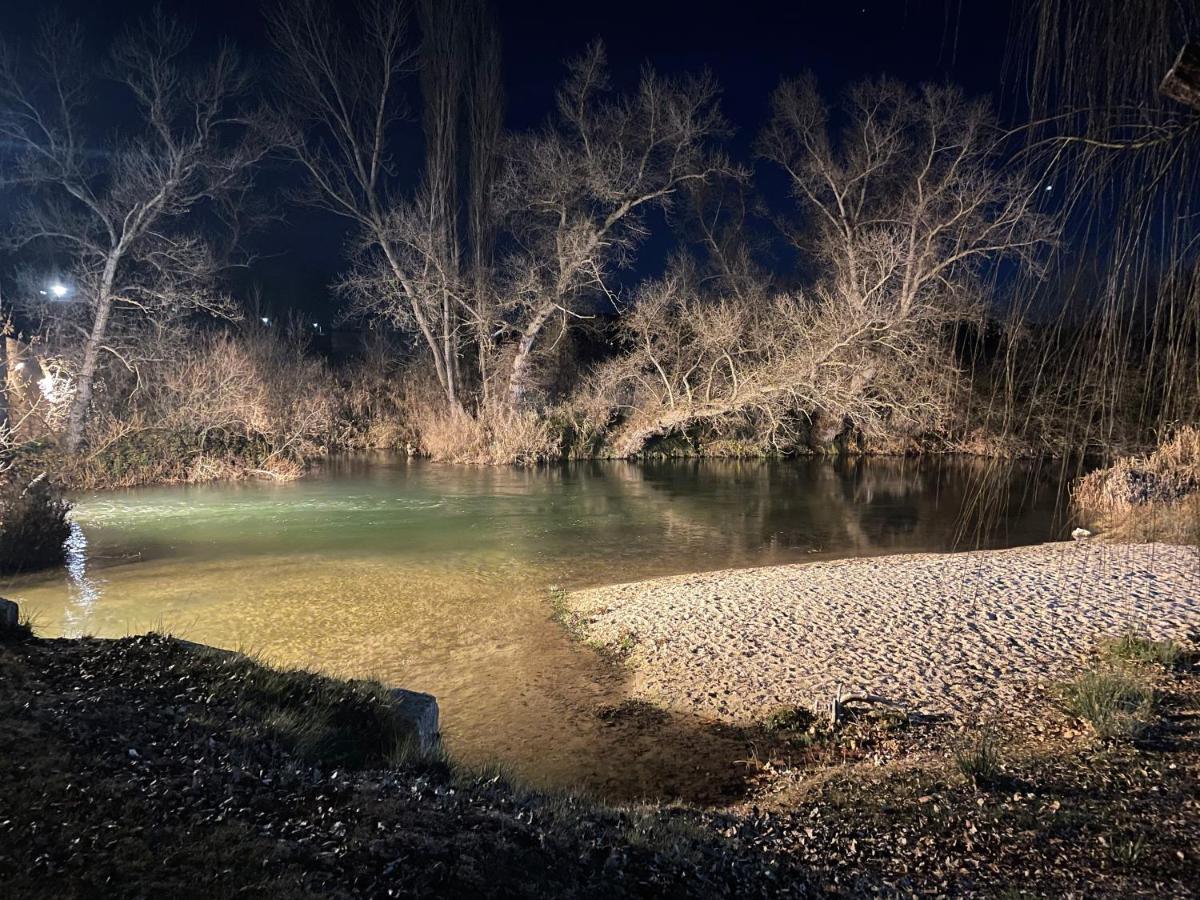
<point>437,578</point>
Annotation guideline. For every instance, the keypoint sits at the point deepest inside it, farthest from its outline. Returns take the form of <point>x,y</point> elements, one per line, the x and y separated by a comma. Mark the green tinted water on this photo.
<point>436,577</point>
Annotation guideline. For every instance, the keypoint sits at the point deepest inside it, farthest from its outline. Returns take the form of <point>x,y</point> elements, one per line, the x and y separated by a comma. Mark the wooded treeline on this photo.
<point>937,278</point>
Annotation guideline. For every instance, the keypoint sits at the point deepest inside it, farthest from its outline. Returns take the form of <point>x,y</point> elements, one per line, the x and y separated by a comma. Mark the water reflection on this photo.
<point>435,577</point>
<point>82,591</point>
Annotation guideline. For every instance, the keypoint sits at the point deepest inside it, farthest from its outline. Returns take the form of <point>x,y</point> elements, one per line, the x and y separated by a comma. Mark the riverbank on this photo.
<point>1041,741</point>
<point>964,634</point>
<point>147,766</point>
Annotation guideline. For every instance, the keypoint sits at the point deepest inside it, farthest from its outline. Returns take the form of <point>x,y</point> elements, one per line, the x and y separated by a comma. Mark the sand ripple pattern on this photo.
<point>963,634</point>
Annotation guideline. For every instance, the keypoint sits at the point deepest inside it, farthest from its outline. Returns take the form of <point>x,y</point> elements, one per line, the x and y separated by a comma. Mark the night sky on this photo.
<point>748,45</point>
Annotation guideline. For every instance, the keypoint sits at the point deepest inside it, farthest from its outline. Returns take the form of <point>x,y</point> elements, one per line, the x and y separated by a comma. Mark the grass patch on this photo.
<point>562,613</point>
<point>15,634</point>
<point>576,624</point>
<point>1128,853</point>
<point>1116,706</point>
<point>1142,650</point>
<point>348,724</point>
<point>980,764</point>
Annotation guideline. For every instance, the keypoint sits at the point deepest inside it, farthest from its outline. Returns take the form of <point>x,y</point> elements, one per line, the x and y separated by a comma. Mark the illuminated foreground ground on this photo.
<point>963,634</point>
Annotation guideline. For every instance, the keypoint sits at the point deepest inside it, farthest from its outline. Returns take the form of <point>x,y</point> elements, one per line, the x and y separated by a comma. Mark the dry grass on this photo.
<point>1151,497</point>
<point>493,437</point>
<point>376,394</point>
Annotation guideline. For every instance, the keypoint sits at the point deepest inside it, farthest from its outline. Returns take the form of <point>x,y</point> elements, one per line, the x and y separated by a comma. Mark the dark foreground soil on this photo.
<point>148,767</point>
<point>144,767</point>
<point>1062,813</point>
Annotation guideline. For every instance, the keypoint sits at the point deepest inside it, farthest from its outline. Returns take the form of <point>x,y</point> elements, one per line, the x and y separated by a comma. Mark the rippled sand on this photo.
<point>943,633</point>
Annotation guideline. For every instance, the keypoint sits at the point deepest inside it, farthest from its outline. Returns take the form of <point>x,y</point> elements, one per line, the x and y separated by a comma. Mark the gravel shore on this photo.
<point>962,634</point>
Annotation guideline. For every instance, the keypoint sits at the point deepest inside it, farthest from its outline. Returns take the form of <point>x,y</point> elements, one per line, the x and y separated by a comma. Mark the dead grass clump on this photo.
<point>1151,497</point>
<point>492,437</point>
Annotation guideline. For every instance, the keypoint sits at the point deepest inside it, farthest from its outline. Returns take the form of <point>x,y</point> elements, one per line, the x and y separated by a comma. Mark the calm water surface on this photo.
<point>436,577</point>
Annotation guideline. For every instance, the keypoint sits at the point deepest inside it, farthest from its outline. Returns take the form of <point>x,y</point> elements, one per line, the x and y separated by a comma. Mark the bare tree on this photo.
<point>340,121</point>
<point>905,208</point>
<point>342,125</point>
<point>442,65</point>
<point>909,203</point>
<point>117,209</point>
<point>579,190</point>
<point>485,134</point>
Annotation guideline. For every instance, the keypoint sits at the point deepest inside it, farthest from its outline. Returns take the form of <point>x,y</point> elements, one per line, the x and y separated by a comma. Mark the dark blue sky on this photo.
<point>748,45</point>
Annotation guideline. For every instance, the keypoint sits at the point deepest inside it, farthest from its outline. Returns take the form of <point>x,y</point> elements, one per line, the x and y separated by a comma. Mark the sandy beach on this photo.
<point>962,634</point>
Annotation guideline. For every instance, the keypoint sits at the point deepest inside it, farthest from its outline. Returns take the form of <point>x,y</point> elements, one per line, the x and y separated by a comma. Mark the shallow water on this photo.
<point>436,578</point>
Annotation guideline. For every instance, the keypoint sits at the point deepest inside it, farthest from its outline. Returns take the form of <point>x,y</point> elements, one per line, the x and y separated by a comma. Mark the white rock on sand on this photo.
<point>961,633</point>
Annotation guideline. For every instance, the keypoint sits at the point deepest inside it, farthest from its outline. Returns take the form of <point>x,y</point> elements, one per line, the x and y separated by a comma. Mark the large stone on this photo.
<point>418,712</point>
<point>10,614</point>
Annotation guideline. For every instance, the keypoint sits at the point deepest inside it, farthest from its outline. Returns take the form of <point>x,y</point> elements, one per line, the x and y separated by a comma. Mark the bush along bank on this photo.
<point>33,524</point>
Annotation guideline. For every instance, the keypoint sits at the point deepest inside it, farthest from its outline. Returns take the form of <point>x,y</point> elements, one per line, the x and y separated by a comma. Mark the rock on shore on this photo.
<point>959,633</point>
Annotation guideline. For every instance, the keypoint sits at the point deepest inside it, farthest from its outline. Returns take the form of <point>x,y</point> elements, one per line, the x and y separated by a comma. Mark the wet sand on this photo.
<point>963,634</point>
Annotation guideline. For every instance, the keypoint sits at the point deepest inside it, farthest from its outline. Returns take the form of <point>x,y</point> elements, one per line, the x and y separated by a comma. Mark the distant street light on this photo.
<point>56,289</point>
<point>266,321</point>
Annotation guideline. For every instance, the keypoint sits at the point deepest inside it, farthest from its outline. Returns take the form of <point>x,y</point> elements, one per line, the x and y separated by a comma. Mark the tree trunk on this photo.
<point>518,378</point>
<point>82,401</point>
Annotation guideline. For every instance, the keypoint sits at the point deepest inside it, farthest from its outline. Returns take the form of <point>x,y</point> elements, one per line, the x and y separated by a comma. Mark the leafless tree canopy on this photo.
<point>931,297</point>
<point>122,210</point>
<point>420,263</point>
<point>902,210</point>
<point>578,191</point>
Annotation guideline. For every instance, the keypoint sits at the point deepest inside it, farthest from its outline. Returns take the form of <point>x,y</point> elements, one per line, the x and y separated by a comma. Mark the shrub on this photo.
<point>1115,705</point>
<point>33,525</point>
<point>212,405</point>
